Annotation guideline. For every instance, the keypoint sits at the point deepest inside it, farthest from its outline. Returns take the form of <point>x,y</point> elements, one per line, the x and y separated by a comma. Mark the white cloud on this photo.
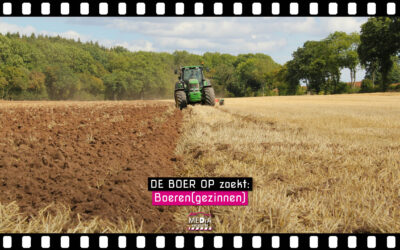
<point>230,35</point>
<point>28,30</point>
<point>344,24</point>
<point>234,46</point>
<point>12,28</point>
<point>186,28</point>
<point>211,27</point>
<point>137,45</point>
<point>296,25</point>
<point>71,34</point>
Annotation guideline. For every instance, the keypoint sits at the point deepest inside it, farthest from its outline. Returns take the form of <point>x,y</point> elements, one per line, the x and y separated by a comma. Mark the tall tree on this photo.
<point>379,42</point>
<point>344,48</point>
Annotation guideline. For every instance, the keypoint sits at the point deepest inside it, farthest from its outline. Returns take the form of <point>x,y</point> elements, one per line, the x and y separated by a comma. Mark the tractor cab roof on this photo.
<point>192,67</point>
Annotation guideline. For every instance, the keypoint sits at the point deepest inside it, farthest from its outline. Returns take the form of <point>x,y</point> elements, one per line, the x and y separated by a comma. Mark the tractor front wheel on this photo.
<point>180,99</point>
<point>209,96</point>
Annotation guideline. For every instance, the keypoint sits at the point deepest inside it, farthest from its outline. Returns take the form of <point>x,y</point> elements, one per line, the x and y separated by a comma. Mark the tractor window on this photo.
<point>192,74</point>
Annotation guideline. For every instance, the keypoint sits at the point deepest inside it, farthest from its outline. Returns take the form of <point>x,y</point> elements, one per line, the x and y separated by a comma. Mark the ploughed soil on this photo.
<point>94,157</point>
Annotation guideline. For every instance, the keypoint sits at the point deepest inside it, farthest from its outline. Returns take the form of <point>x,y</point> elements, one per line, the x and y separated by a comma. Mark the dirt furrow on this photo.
<point>93,157</point>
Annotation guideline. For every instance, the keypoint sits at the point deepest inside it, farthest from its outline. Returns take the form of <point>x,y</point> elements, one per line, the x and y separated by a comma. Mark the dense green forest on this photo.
<point>42,67</point>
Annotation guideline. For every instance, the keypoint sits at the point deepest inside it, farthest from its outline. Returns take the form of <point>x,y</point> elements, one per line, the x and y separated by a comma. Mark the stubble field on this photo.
<point>319,163</point>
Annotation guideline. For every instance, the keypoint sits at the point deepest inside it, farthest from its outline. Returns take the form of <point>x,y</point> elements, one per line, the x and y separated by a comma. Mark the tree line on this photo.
<point>55,68</point>
<point>318,64</point>
<point>42,67</point>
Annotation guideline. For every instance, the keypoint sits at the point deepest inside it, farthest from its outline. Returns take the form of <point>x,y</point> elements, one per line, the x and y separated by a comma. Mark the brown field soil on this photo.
<point>93,157</point>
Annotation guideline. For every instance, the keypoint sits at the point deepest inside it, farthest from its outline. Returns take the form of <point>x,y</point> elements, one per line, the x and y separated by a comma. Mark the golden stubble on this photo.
<point>323,164</point>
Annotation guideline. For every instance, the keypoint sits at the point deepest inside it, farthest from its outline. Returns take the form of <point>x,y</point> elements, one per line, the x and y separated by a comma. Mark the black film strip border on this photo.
<point>199,8</point>
<point>200,241</point>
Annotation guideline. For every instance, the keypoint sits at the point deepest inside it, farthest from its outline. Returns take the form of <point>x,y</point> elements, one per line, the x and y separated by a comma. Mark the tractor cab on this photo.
<point>192,73</point>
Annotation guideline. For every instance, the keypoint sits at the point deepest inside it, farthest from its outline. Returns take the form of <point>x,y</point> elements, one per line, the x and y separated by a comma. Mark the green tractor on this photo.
<point>193,88</point>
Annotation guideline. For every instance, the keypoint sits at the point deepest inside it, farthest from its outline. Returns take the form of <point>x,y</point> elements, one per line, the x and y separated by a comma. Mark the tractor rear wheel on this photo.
<point>180,99</point>
<point>209,96</point>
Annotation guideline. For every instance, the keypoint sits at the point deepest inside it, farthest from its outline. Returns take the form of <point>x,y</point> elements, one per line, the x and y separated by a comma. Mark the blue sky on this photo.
<point>275,36</point>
